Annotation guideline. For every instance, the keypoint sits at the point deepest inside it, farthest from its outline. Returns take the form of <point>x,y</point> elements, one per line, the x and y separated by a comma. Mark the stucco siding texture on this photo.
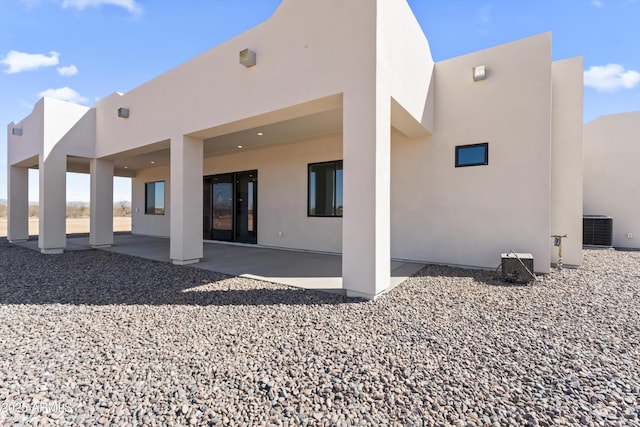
<point>566,159</point>
<point>611,174</point>
<point>282,194</point>
<point>303,53</point>
<point>471,215</point>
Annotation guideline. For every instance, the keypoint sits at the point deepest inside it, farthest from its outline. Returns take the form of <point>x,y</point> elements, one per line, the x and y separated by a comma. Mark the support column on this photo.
<point>52,237</point>
<point>186,200</point>
<point>101,219</point>
<point>366,253</point>
<point>18,201</point>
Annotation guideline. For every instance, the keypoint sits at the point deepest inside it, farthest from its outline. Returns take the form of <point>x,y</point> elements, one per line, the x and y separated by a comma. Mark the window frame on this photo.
<point>485,162</point>
<point>152,211</point>
<point>335,192</point>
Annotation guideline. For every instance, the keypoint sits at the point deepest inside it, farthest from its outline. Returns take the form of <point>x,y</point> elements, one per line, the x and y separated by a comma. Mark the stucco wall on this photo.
<point>53,124</point>
<point>29,144</point>
<point>68,124</point>
<point>79,140</point>
<point>611,174</point>
<point>404,61</point>
<point>566,159</point>
<point>471,215</point>
<point>305,51</point>
<point>141,223</point>
<point>282,194</point>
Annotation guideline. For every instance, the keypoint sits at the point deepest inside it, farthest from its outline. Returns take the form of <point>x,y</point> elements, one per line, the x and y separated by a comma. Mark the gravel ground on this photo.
<point>99,338</point>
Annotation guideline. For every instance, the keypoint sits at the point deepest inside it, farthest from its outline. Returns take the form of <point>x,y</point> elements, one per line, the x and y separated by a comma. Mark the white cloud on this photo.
<point>596,3</point>
<point>71,70</point>
<point>64,94</point>
<point>20,61</point>
<point>610,77</point>
<point>130,5</point>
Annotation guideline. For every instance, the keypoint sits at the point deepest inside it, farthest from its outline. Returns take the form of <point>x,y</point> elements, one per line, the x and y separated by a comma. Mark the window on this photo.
<point>325,189</point>
<point>154,198</point>
<point>472,155</point>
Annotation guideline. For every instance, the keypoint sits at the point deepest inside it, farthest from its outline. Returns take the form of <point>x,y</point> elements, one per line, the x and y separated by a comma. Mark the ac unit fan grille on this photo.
<point>597,231</point>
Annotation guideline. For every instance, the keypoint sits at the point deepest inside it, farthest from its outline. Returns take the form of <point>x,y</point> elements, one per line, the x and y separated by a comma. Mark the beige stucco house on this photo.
<point>341,135</point>
<point>611,175</point>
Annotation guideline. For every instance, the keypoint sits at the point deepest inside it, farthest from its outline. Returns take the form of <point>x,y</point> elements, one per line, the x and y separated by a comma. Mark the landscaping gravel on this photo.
<point>94,337</point>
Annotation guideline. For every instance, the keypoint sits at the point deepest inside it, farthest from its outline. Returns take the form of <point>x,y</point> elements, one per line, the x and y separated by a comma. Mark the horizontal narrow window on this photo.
<point>325,189</point>
<point>472,155</point>
<point>154,198</point>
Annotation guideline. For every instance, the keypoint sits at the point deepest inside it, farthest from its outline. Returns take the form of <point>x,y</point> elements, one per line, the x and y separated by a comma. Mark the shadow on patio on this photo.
<point>95,278</point>
<point>98,277</point>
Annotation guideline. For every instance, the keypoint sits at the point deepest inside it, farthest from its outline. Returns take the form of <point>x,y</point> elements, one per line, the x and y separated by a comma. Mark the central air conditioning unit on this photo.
<point>597,230</point>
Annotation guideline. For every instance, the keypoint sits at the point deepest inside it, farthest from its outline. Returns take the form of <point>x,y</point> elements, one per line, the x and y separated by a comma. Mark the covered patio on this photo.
<point>302,269</point>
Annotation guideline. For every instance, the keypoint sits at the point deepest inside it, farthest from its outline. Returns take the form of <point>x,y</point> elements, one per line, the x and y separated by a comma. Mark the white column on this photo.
<point>18,209</point>
<point>366,253</point>
<point>186,200</point>
<point>52,238</point>
<point>101,220</point>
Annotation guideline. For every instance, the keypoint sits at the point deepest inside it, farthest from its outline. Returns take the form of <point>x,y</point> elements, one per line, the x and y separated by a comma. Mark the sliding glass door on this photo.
<point>246,207</point>
<point>231,207</point>
<point>222,207</point>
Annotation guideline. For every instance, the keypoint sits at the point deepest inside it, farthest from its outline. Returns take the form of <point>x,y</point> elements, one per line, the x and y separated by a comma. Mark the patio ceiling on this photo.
<point>326,122</point>
<point>282,132</point>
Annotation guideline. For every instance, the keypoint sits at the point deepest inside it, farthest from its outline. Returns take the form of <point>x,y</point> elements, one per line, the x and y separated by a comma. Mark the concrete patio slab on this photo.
<point>309,270</point>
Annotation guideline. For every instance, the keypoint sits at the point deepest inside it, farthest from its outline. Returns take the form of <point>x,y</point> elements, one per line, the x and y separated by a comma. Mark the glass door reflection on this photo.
<point>246,206</point>
<point>232,201</point>
<point>222,207</point>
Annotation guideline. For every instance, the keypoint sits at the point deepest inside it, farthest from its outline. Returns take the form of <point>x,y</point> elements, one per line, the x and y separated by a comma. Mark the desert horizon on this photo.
<point>78,220</point>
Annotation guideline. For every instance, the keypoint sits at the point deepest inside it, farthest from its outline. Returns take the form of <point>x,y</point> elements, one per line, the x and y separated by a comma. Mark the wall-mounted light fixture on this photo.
<point>16,131</point>
<point>479,73</point>
<point>248,58</point>
<point>123,113</point>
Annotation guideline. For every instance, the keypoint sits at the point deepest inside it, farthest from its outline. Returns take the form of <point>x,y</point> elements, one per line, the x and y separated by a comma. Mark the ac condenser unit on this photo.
<point>597,230</point>
<point>517,267</point>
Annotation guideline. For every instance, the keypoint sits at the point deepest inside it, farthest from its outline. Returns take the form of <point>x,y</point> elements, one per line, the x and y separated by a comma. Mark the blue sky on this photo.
<point>83,50</point>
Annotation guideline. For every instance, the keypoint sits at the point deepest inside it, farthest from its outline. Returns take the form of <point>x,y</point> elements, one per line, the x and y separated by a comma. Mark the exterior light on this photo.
<point>239,146</point>
<point>123,113</point>
<point>248,58</point>
<point>260,133</point>
<point>16,131</point>
<point>152,162</point>
<point>479,73</point>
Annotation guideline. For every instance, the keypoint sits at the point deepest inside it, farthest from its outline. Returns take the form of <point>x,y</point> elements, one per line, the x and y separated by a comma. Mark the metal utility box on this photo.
<point>513,267</point>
